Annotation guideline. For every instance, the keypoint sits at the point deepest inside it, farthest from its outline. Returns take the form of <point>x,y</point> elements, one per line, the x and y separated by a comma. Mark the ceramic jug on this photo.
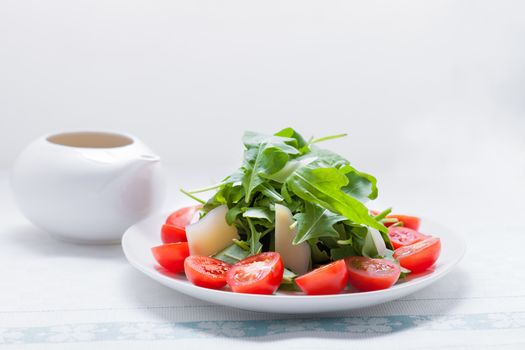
<point>87,187</point>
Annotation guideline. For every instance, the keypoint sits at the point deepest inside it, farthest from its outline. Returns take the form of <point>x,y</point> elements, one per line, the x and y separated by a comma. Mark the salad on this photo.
<point>292,217</point>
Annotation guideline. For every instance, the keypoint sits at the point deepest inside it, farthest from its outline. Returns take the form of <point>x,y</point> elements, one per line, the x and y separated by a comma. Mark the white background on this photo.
<point>432,94</point>
<point>420,86</point>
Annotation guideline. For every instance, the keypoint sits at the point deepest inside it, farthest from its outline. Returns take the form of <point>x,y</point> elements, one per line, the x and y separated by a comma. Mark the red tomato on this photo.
<point>171,256</point>
<point>327,279</point>
<point>367,274</point>
<point>206,272</point>
<point>419,256</point>
<point>411,222</point>
<point>401,236</point>
<point>175,228</point>
<point>172,234</point>
<point>258,274</point>
<point>183,216</point>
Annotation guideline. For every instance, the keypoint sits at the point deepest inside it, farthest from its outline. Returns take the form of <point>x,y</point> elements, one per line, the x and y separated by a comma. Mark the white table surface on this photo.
<point>59,295</point>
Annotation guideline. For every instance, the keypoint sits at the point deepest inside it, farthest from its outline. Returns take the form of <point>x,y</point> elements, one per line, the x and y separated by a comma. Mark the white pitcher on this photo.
<point>87,187</point>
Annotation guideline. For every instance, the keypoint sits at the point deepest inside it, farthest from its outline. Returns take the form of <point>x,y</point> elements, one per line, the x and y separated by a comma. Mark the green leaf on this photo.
<point>361,186</point>
<point>255,140</point>
<point>285,194</point>
<point>264,157</point>
<point>329,158</point>
<point>342,252</point>
<point>270,192</point>
<point>288,276</point>
<point>318,256</point>
<point>389,255</point>
<point>300,142</point>
<point>369,248</point>
<point>255,236</point>
<point>315,222</point>
<point>258,213</point>
<point>232,254</point>
<point>282,175</point>
<point>404,272</point>
<point>323,187</point>
<point>232,214</point>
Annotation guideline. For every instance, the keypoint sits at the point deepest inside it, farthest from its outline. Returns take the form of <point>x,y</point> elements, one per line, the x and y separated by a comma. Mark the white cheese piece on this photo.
<point>211,234</point>
<point>295,257</point>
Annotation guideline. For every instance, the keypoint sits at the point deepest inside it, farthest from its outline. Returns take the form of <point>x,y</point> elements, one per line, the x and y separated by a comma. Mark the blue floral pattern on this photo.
<point>92,332</point>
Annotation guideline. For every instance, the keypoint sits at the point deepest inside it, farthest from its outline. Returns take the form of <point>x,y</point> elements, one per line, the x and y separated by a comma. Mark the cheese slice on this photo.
<point>295,257</point>
<point>211,234</point>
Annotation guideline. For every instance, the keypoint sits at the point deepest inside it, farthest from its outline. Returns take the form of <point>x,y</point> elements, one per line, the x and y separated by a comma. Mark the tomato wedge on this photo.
<point>401,236</point>
<point>173,234</point>
<point>419,256</point>
<point>367,274</point>
<point>171,256</point>
<point>258,274</point>
<point>327,279</point>
<point>207,272</point>
<point>174,229</point>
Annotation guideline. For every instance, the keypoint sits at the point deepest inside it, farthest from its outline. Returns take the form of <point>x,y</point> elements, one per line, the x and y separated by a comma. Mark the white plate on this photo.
<point>138,240</point>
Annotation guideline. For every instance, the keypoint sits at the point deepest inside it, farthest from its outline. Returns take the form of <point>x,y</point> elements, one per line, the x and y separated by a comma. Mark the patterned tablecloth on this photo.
<point>67,296</point>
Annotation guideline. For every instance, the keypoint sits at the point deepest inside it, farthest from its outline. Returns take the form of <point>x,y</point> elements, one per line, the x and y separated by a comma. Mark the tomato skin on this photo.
<point>419,256</point>
<point>408,221</point>
<point>207,272</point>
<point>401,236</point>
<point>327,279</point>
<point>183,216</point>
<point>257,274</point>
<point>174,230</point>
<point>367,274</point>
<point>171,256</point>
<point>173,234</point>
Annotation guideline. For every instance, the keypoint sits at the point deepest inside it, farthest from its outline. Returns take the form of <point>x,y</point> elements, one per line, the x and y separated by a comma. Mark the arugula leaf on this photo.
<point>300,142</point>
<point>342,252</point>
<point>265,155</point>
<point>315,222</point>
<point>323,187</point>
<point>270,192</point>
<point>268,160</point>
<point>318,256</point>
<point>232,254</point>
<point>259,213</point>
<point>361,186</point>
<point>254,239</point>
<point>232,214</point>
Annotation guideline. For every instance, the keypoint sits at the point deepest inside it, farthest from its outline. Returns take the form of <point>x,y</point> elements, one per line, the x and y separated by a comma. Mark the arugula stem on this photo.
<point>242,244</point>
<point>389,220</point>
<point>269,229</point>
<point>206,189</point>
<point>399,223</point>
<point>192,196</point>
<point>345,241</point>
<point>383,214</point>
<point>326,138</point>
